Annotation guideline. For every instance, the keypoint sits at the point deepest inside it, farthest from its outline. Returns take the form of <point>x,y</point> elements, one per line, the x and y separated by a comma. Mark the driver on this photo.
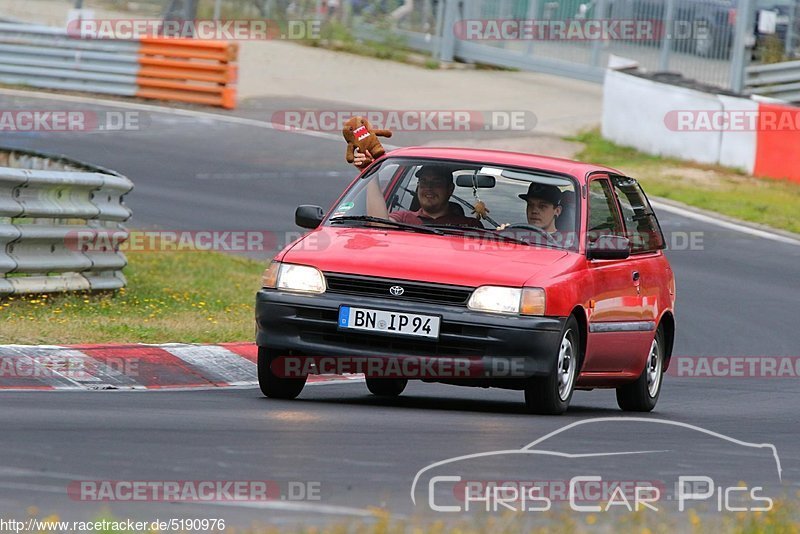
<point>543,206</point>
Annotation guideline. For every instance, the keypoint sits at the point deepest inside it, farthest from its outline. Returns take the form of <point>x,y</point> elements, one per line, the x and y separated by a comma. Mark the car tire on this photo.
<point>642,395</point>
<point>273,386</point>
<point>386,387</point>
<point>551,394</point>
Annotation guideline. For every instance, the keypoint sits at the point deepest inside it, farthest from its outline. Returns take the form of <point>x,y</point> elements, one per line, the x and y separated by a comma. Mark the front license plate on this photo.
<point>388,322</point>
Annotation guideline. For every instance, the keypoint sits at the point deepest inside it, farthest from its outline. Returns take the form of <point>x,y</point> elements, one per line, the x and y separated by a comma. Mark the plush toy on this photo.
<point>359,134</point>
<point>480,210</point>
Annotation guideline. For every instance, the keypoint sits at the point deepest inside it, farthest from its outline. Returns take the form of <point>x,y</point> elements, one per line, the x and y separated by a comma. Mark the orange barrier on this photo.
<point>188,70</point>
<point>778,147</point>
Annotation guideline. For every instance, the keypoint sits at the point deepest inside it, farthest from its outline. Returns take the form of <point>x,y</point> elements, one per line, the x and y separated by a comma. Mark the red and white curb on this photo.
<point>135,367</point>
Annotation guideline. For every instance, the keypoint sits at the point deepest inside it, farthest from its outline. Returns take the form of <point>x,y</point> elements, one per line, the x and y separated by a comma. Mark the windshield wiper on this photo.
<point>463,230</point>
<point>387,222</point>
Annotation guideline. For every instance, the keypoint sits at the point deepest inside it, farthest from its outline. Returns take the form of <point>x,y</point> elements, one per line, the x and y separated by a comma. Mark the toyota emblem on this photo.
<point>396,291</point>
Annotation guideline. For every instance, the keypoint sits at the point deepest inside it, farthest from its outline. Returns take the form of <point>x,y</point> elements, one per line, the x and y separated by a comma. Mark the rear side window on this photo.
<point>641,225</point>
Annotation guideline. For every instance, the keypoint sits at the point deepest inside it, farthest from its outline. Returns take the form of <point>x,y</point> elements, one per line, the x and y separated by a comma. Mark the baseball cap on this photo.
<point>438,171</point>
<point>550,193</point>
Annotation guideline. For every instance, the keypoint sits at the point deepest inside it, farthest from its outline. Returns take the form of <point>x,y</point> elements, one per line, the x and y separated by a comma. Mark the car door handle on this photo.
<point>636,276</point>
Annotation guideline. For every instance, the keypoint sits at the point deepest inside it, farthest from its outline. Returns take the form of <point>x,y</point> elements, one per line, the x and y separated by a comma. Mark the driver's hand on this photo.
<point>361,160</point>
<point>503,226</point>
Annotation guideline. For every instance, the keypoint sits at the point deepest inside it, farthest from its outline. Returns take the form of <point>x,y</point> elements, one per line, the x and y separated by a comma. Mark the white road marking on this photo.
<point>689,214</point>
<point>231,119</point>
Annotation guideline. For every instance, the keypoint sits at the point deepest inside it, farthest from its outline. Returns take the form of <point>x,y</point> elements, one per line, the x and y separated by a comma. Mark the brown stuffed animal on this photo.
<point>481,211</point>
<point>358,132</point>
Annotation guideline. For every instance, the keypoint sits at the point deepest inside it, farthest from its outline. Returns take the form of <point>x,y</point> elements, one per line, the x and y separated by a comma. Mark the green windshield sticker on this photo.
<point>345,207</point>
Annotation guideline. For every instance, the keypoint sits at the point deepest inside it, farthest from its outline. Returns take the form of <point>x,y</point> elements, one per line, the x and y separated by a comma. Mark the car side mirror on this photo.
<point>610,247</point>
<point>308,216</point>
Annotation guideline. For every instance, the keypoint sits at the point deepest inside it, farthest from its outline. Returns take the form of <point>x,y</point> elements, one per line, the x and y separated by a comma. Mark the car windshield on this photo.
<point>525,206</point>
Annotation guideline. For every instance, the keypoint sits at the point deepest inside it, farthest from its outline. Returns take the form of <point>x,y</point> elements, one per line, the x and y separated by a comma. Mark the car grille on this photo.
<point>413,291</point>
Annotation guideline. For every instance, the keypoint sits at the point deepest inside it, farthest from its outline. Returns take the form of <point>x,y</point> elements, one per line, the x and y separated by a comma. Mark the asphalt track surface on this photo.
<point>737,296</point>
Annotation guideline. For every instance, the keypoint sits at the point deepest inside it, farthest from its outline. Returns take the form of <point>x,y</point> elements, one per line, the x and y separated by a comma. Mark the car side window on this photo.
<point>603,218</point>
<point>641,225</point>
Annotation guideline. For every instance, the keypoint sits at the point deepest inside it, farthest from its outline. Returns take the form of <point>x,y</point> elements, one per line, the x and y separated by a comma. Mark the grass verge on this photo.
<point>187,297</point>
<point>727,191</point>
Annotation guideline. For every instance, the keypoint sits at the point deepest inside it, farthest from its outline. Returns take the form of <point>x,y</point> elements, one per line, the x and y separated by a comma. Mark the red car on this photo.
<point>479,268</point>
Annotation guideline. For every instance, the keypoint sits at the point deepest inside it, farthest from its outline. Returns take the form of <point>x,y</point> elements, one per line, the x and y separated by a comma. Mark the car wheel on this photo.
<point>550,395</point>
<point>386,387</point>
<point>642,395</point>
<point>273,386</point>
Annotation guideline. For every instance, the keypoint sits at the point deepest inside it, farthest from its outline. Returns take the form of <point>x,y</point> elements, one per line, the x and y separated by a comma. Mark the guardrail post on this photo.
<point>789,44</point>
<point>533,9</point>
<point>668,37</point>
<point>601,13</point>
<point>448,46</point>
<point>741,43</point>
<point>437,50</point>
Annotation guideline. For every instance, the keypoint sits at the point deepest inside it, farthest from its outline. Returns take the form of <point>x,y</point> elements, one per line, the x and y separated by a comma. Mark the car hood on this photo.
<point>403,255</point>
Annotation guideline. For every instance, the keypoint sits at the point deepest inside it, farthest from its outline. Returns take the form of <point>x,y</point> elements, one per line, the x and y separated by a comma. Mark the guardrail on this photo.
<point>185,70</point>
<point>776,80</point>
<point>46,203</point>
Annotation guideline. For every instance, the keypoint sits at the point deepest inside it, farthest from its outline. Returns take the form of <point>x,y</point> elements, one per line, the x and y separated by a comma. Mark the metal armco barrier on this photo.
<point>45,203</point>
<point>776,80</point>
<point>183,70</point>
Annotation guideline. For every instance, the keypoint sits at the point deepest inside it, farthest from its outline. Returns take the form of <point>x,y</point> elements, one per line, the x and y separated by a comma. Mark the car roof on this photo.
<point>501,157</point>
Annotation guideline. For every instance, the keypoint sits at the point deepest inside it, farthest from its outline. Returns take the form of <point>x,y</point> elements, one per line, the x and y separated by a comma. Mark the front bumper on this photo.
<point>307,325</point>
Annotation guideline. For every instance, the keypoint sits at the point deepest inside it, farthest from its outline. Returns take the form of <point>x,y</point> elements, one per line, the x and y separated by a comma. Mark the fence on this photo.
<point>45,203</point>
<point>706,40</point>
<point>184,70</point>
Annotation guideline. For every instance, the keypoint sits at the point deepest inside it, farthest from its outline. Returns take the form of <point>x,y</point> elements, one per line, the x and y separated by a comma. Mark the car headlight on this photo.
<point>290,277</point>
<point>511,300</point>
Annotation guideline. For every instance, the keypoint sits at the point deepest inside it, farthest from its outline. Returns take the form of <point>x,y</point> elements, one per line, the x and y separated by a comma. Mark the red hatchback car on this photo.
<point>561,285</point>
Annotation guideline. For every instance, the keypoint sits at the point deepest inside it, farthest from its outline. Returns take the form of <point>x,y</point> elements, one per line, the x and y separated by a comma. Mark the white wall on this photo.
<point>738,148</point>
<point>644,114</point>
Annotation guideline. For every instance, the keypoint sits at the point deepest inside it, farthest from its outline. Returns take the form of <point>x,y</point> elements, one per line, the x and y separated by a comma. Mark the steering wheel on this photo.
<point>536,229</point>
